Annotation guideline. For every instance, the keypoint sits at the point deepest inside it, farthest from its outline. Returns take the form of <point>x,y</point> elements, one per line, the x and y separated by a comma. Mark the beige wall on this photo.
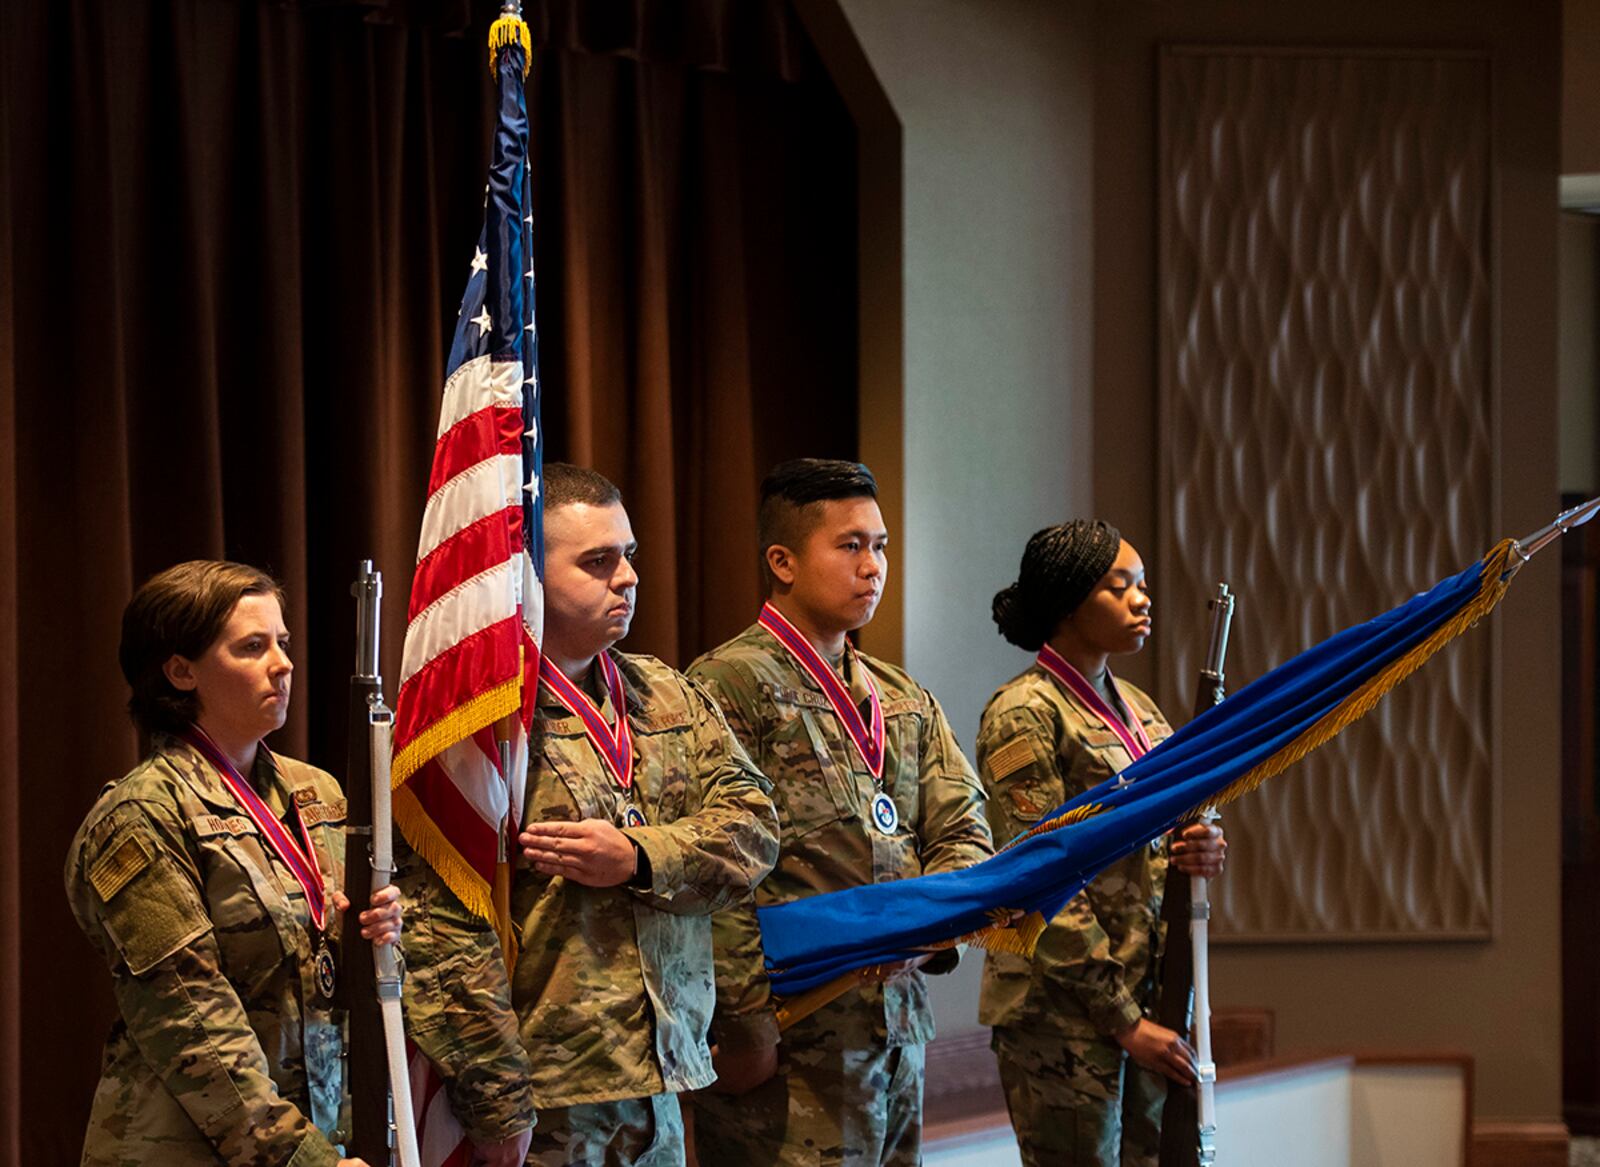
<point>994,103</point>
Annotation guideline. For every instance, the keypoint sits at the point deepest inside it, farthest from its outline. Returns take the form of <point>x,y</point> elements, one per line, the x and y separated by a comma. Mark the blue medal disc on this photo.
<point>327,971</point>
<point>884,814</point>
<point>633,817</point>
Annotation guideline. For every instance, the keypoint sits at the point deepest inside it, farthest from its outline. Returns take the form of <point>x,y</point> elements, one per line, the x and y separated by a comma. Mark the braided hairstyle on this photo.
<point>1059,569</point>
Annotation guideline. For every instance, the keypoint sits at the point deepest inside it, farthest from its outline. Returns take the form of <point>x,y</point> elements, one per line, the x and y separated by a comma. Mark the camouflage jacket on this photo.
<point>824,795</point>
<point>225,1051</point>
<point>612,991</point>
<point>1094,969</point>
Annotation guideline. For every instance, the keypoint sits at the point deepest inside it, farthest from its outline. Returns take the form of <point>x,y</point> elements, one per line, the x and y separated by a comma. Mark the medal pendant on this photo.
<point>885,816</point>
<point>633,816</point>
<point>327,971</point>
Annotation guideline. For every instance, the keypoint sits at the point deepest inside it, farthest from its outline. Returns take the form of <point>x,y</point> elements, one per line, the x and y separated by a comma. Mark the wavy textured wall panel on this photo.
<point>1327,426</point>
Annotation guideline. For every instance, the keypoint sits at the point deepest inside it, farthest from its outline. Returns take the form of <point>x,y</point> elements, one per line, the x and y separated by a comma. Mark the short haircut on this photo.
<point>793,494</point>
<point>181,611</point>
<point>565,484</point>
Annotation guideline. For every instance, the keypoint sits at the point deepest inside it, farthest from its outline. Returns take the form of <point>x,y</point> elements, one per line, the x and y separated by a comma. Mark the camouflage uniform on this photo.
<point>1074,1096</point>
<point>610,1000</point>
<point>848,1089</point>
<point>225,1051</point>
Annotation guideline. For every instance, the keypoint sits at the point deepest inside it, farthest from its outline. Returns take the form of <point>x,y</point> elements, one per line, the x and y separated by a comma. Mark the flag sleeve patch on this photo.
<point>112,872</point>
<point>1008,759</point>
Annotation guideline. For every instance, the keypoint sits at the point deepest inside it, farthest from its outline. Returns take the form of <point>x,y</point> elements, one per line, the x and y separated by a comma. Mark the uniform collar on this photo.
<point>634,691</point>
<point>203,779</point>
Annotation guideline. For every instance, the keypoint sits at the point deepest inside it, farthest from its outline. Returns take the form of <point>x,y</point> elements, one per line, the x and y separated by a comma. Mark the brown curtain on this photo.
<point>232,240</point>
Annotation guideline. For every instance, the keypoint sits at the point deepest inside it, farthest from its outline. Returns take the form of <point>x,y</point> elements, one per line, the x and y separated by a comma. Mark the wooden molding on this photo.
<point>1241,1035</point>
<point>1519,1144</point>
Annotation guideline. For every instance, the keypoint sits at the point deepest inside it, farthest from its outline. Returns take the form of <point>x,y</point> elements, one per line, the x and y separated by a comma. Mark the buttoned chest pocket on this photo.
<point>667,786</point>
<point>902,767</point>
<point>257,923</point>
<point>811,761</point>
<point>573,784</point>
<point>1100,755</point>
<point>896,853</point>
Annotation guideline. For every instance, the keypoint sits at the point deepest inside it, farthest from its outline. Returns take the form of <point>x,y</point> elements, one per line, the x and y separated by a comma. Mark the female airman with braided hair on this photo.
<point>1083,1065</point>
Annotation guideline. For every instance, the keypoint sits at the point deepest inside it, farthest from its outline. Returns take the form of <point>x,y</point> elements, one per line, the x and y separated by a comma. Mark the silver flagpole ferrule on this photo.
<point>1528,546</point>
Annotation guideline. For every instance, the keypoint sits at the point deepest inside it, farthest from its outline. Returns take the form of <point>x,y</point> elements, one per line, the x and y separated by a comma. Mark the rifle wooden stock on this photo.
<point>1180,1115</point>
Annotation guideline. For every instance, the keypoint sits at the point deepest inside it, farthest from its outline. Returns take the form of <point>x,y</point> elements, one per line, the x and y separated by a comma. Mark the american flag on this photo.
<point>470,665</point>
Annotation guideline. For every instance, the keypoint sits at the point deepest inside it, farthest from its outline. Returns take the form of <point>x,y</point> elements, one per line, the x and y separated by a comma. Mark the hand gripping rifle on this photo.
<point>384,1129</point>
<point>1189,1118</point>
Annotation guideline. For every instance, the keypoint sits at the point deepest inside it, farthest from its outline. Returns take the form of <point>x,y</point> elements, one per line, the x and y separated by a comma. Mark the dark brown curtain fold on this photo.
<point>232,241</point>
<point>11,860</point>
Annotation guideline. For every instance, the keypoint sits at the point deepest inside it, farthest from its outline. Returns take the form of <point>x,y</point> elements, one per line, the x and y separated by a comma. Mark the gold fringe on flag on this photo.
<point>510,30</point>
<point>1022,936</point>
<point>428,841</point>
<point>424,835</point>
<point>459,724</point>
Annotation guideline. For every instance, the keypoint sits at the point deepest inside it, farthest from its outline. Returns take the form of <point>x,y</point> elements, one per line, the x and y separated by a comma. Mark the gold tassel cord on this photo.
<point>1491,590</point>
<point>510,30</point>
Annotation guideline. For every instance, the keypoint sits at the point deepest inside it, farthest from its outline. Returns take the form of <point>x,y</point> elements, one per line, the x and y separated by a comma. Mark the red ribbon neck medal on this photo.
<point>1133,738</point>
<point>614,745</point>
<point>868,738</point>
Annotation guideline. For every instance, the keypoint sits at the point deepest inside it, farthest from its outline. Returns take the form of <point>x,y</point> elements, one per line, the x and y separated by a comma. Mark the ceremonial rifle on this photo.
<point>1188,1119</point>
<point>383,1128</point>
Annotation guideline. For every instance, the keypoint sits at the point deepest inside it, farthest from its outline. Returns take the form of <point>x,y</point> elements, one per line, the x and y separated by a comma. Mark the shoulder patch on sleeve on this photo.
<point>113,870</point>
<point>1008,759</point>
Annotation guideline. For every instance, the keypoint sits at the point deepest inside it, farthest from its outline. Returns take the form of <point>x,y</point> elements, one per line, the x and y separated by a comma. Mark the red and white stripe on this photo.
<point>473,626</point>
<point>475,611</point>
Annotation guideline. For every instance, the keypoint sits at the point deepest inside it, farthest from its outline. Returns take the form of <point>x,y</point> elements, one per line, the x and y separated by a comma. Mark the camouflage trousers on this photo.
<point>1079,1101</point>
<point>827,1106</point>
<point>635,1132</point>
